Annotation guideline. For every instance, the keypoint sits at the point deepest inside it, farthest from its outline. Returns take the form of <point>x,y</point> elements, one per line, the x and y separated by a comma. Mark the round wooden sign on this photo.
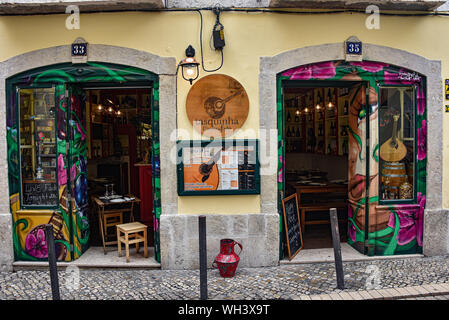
<point>217,105</point>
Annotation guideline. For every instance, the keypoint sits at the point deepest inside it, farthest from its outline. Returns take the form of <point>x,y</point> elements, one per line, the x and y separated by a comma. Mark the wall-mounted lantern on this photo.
<point>189,65</point>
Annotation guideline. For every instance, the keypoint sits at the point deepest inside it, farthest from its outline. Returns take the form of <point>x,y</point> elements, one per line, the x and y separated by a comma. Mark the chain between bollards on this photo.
<point>51,249</point>
<point>203,256</point>
<point>337,249</point>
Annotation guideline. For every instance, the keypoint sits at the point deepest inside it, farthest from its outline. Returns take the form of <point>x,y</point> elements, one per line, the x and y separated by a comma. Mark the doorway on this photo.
<point>119,144</point>
<point>87,125</point>
<point>316,134</point>
<point>386,130</point>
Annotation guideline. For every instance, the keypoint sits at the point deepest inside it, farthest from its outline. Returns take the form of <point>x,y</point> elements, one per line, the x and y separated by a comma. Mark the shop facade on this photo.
<point>419,224</point>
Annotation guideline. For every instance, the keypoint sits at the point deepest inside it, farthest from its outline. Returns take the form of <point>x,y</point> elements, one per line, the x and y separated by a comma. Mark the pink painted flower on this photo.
<point>72,173</point>
<point>323,70</point>
<point>421,101</point>
<point>62,172</point>
<point>83,136</point>
<point>35,244</point>
<point>280,170</point>
<point>410,222</point>
<point>370,66</point>
<point>422,145</point>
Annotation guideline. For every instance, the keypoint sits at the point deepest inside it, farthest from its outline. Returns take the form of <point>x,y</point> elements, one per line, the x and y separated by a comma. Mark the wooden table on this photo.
<point>329,188</point>
<point>106,208</point>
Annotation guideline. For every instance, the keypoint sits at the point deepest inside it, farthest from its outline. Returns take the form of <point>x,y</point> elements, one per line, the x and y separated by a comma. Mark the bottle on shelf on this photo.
<point>344,147</point>
<point>298,133</point>
<point>329,149</point>
<point>289,118</point>
<point>346,108</point>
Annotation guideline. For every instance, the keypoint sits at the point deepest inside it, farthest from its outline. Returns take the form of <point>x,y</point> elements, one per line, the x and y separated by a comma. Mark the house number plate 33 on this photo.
<point>79,49</point>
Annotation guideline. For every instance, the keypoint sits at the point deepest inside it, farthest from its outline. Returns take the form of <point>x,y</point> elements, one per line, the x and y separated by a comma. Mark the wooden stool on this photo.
<point>131,235</point>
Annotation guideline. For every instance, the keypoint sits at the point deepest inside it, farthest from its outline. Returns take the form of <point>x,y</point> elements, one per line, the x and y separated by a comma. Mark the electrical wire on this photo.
<point>201,44</point>
<point>417,13</point>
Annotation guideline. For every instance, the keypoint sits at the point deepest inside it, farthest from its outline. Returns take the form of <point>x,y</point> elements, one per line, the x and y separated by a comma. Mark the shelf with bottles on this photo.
<point>292,146</point>
<point>293,132</point>
<point>37,134</point>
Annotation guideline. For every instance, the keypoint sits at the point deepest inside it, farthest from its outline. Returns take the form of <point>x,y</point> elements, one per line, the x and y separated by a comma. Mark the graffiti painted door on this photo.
<point>359,185</point>
<point>75,192</point>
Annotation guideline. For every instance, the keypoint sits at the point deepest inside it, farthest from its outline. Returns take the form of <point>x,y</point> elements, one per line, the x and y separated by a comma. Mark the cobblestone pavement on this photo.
<point>281,282</point>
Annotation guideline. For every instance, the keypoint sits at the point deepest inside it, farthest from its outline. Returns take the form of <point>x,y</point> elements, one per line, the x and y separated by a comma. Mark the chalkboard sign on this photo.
<point>292,225</point>
<point>39,194</point>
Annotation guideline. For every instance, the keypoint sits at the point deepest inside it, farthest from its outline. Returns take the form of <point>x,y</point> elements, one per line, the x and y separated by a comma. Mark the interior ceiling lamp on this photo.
<point>318,105</point>
<point>330,105</point>
<point>189,65</point>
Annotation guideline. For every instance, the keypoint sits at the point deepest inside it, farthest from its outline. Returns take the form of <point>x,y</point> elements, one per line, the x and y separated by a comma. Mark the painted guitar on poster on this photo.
<point>393,149</point>
<point>204,176</point>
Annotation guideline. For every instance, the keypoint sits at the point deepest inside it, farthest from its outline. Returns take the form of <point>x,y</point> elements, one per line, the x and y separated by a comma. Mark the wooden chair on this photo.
<point>109,218</point>
<point>318,207</point>
<point>131,235</point>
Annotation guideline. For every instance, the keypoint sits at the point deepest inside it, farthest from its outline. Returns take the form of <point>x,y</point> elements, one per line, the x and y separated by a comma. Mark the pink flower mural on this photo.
<point>324,70</point>
<point>35,244</point>
<point>370,66</point>
<point>410,221</point>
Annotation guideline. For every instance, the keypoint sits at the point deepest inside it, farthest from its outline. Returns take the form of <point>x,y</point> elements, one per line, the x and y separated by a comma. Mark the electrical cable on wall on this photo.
<point>218,37</point>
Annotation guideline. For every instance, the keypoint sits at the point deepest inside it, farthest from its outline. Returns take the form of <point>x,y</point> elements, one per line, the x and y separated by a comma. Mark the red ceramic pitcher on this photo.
<point>227,260</point>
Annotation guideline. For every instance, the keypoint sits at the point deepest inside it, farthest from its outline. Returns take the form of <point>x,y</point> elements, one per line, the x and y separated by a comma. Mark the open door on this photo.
<point>75,195</point>
<point>359,190</point>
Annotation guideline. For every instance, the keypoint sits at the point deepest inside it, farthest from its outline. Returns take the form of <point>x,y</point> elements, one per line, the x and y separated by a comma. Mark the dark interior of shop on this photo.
<point>316,157</point>
<point>119,154</point>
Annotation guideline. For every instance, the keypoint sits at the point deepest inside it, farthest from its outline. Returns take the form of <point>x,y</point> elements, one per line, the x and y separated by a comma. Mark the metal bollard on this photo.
<point>337,249</point>
<point>203,257</point>
<point>52,261</point>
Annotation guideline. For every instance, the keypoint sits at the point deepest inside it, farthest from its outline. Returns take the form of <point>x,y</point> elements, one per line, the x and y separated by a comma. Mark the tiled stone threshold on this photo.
<point>434,289</point>
<point>349,254</point>
<point>94,257</point>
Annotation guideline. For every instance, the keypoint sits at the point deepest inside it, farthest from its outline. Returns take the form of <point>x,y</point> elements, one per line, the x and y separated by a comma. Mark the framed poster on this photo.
<point>292,224</point>
<point>218,167</point>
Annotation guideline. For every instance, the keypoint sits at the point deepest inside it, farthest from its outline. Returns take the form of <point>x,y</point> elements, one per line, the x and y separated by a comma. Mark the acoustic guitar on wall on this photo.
<point>393,149</point>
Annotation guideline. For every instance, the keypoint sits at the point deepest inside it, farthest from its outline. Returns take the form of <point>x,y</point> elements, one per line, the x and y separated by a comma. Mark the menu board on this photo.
<point>292,225</point>
<point>218,167</point>
<point>37,193</point>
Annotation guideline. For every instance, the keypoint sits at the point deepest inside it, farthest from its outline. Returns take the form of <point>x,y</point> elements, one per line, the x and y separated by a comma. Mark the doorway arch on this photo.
<point>163,67</point>
<point>271,67</point>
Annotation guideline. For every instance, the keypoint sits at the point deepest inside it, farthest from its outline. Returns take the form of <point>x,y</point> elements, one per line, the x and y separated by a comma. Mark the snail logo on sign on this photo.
<point>217,105</point>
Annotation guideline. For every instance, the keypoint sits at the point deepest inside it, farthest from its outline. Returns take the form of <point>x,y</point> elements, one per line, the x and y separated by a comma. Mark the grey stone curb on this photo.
<point>433,289</point>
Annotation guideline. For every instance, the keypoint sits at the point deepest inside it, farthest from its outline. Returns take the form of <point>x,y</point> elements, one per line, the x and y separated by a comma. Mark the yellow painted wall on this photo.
<point>248,36</point>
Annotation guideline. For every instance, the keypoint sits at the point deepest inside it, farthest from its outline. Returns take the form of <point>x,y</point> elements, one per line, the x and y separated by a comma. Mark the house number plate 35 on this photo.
<point>353,48</point>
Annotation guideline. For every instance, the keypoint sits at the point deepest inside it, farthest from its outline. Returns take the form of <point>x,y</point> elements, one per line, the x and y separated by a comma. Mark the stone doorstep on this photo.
<point>433,289</point>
